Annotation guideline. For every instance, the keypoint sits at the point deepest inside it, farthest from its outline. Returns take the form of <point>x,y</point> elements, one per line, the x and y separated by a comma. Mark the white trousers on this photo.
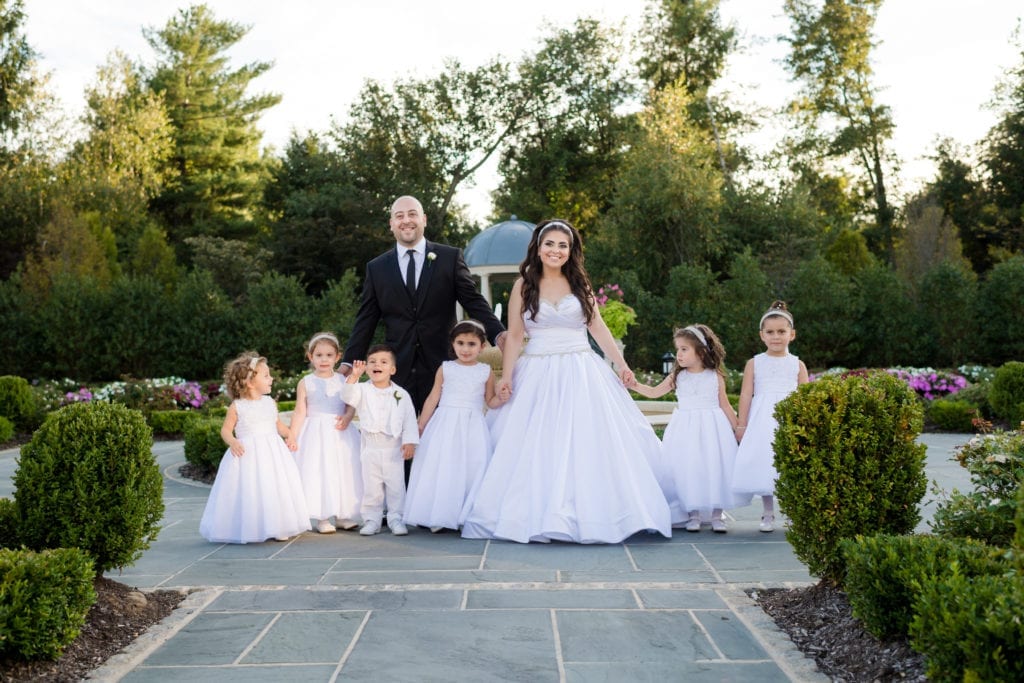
<point>383,477</point>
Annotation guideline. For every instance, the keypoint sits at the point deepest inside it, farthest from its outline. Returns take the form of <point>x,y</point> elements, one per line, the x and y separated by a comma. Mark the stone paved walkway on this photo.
<point>441,608</point>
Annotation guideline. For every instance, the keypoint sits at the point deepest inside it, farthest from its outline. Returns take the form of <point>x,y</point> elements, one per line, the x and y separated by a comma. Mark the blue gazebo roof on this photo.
<point>501,244</point>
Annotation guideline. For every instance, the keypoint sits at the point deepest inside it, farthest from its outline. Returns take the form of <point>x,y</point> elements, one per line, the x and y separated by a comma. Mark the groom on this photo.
<point>413,289</point>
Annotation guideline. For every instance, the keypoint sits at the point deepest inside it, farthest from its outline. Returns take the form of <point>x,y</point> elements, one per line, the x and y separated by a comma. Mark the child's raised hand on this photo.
<point>358,368</point>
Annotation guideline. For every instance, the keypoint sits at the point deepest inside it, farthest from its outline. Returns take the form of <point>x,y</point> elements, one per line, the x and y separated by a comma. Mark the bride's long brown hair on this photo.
<point>531,269</point>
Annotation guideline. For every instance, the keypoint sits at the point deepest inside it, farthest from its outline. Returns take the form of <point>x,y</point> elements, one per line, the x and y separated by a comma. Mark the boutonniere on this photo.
<point>398,397</point>
<point>430,257</point>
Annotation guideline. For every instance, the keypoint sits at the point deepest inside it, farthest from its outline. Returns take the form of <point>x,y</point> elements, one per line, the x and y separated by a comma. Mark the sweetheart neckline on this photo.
<point>556,304</point>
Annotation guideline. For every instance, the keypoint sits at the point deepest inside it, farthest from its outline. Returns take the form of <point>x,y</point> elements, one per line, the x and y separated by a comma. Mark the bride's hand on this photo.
<point>504,390</point>
<point>627,377</point>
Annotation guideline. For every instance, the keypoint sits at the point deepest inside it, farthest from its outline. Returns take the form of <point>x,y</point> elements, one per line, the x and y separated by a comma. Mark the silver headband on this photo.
<point>474,323</point>
<point>696,333</point>
<point>254,362</point>
<point>318,337</point>
<point>779,312</point>
<point>555,224</point>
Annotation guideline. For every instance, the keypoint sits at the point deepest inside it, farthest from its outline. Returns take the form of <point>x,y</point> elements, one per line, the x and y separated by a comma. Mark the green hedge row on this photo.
<point>871,318</point>
<point>136,327</point>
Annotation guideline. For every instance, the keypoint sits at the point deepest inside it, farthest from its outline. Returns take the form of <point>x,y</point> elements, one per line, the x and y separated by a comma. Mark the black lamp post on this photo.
<point>668,361</point>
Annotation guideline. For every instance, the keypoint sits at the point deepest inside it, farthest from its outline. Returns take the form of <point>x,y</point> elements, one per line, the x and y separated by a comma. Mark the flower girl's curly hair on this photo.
<point>707,345</point>
<point>239,371</point>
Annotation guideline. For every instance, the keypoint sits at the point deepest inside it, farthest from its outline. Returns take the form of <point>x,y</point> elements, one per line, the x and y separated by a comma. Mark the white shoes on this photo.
<point>693,524</point>
<point>398,528</point>
<point>370,528</point>
<point>767,523</point>
<point>718,525</point>
<point>324,526</point>
<point>436,529</point>
<point>348,525</point>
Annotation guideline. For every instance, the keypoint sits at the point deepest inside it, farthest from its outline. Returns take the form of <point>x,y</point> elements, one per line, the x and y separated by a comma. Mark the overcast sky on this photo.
<point>937,62</point>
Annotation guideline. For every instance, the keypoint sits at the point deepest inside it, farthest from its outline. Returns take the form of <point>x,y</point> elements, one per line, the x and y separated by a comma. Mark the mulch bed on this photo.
<point>821,624</point>
<point>121,614</point>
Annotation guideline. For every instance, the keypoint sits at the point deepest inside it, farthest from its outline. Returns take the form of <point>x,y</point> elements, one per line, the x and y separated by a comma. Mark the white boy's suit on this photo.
<point>387,420</point>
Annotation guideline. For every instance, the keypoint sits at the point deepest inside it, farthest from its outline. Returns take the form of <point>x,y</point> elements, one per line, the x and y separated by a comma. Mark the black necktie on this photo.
<point>410,272</point>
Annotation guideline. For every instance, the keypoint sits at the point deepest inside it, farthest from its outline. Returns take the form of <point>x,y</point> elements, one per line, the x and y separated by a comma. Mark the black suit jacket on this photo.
<point>417,328</point>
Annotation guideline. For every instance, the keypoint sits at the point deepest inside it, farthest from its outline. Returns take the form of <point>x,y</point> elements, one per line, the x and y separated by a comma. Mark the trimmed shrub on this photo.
<point>884,574</point>
<point>170,422</point>
<point>203,446</point>
<point>976,393</point>
<point>17,402</point>
<point>44,598</point>
<point>951,414</point>
<point>970,628</point>
<point>6,429</point>
<point>996,466</point>
<point>91,467</point>
<point>9,523</point>
<point>1007,393</point>
<point>848,464</point>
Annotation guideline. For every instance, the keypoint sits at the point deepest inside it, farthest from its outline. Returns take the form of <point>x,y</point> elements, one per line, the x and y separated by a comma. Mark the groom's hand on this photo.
<point>499,341</point>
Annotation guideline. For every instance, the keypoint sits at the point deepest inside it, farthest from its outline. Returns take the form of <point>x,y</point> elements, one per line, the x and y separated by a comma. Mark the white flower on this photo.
<point>431,256</point>
<point>398,396</point>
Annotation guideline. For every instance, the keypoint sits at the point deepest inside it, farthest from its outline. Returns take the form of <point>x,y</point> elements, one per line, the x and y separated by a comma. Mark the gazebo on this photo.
<point>495,253</point>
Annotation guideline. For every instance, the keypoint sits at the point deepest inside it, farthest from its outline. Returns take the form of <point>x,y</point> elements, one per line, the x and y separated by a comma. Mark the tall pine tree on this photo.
<point>216,173</point>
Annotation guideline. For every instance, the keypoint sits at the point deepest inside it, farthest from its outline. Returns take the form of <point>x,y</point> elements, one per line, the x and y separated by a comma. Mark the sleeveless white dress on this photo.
<point>699,444</point>
<point>572,452</point>
<point>328,458</point>
<point>258,495</point>
<point>775,378</point>
<point>453,450</point>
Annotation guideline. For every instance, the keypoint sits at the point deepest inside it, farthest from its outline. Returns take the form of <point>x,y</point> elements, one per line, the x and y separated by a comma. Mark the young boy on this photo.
<point>387,421</point>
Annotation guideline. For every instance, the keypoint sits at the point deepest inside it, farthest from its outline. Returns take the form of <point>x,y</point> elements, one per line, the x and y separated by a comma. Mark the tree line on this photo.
<point>166,185</point>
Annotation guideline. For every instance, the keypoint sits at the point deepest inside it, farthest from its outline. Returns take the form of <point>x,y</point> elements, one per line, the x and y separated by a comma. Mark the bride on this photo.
<point>574,459</point>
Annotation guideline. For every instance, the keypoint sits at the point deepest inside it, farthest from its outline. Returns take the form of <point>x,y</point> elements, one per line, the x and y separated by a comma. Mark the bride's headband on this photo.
<point>323,335</point>
<point>779,312</point>
<point>555,224</point>
<point>696,333</point>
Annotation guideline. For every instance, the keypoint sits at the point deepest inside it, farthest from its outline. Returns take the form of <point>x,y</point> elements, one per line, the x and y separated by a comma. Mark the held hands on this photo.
<point>504,390</point>
<point>627,378</point>
<point>291,443</point>
<point>342,423</point>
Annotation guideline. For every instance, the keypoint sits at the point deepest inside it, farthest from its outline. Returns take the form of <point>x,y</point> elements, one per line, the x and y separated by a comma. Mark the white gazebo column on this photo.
<point>485,288</point>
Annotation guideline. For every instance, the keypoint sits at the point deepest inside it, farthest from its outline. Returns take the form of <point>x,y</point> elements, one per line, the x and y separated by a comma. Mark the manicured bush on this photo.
<point>44,598</point>
<point>17,402</point>
<point>996,466</point>
<point>6,429</point>
<point>1007,393</point>
<point>170,422</point>
<point>9,524</point>
<point>884,574</point>
<point>203,446</point>
<point>970,628</point>
<point>976,393</point>
<point>88,480</point>
<point>951,415</point>
<point>284,406</point>
<point>848,464</point>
